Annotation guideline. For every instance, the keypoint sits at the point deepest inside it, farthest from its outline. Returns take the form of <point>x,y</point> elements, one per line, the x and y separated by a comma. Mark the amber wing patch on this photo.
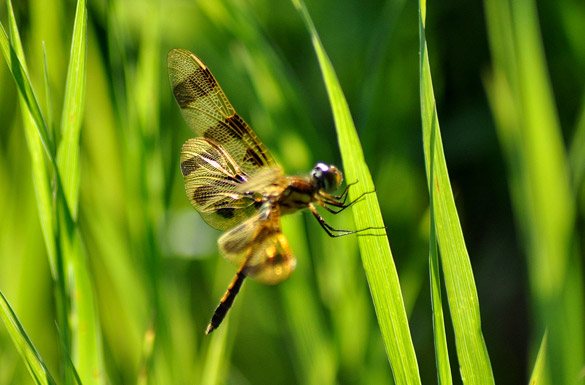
<point>259,245</point>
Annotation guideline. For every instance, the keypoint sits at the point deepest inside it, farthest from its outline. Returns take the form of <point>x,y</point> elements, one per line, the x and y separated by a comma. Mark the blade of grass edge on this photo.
<point>577,151</point>
<point>40,169</point>
<point>86,343</point>
<point>462,297</point>
<point>49,105</point>
<point>538,372</point>
<point>215,359</point>
<point>444,376</point>
<point>22,80</point>
<point>375,250</point>
<point>25,347</point>
<point>41,172</point>
<point>23,83</point>
<point>68,153</point>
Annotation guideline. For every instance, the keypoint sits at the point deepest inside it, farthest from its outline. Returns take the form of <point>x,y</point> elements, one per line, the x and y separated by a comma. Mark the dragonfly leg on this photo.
<point>333,232</point>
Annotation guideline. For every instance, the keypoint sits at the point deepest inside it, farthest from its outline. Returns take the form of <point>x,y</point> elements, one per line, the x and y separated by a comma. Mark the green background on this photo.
<point>154,262</point>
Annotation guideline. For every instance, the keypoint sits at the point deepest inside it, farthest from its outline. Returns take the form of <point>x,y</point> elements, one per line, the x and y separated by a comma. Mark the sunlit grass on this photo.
<point>80,333</point>
<point>473,357</point>
<point>375,250</point>
<point>131,274</point>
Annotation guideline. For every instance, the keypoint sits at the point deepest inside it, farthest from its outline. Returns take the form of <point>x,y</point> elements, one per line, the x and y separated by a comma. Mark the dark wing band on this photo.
<point>212,181</point>
<point>209,113</point>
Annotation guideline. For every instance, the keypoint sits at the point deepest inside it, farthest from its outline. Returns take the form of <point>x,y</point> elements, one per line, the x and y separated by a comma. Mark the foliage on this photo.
<point>108,275</point>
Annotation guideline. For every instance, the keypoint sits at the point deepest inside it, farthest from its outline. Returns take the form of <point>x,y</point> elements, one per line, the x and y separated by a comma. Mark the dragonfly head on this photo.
<point>327,178</point>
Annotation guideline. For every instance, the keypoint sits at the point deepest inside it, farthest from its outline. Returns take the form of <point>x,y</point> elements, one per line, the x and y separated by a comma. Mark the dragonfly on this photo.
<point>234,183</point>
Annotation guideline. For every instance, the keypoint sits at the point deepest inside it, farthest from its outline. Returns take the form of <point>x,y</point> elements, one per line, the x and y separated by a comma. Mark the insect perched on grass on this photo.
<point>235,184</point>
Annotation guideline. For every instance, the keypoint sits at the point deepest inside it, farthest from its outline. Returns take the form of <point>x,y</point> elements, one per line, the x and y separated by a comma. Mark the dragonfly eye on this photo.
<point>327,178</point>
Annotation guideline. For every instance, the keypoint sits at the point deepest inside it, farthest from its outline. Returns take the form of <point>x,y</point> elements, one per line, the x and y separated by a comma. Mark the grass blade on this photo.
<point>68,154</point>
<point>41,176</point>
<point>441,350</point>
<point>86,336</point>
<point>31,357</point>
<point>472,352</point>
<point>41,171</point>
<point>577,151</point>
<point>23,83</point>
<point>530,135</point>
<point>61,233</point>
<point>538,372</point>
<point>86,333</point>
<point>312,342</point>
<point>375,250</point>
<point>49,106</point>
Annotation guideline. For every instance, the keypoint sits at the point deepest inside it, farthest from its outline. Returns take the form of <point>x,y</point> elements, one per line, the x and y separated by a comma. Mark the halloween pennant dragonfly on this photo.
<point>234,183</point>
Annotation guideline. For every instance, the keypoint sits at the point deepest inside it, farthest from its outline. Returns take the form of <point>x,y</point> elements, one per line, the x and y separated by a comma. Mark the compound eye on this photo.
<point>328,177</point>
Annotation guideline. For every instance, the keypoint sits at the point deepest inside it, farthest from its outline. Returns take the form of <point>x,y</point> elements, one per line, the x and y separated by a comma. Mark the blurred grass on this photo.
<point>530,134</point>
<point>25,347</point>
<point>538,373</point>
<point>79,329</point>
<point>153,262</point>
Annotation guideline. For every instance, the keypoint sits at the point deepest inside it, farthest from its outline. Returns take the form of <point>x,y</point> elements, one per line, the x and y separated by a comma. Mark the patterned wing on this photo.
<point>260,244</point>
<point>209,113</point>
<point>213,183</point>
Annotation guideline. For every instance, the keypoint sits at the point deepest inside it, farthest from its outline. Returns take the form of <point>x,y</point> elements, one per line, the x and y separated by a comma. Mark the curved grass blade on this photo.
<point>25,347</point>
<point>375,250</point>
<point>472,352</point>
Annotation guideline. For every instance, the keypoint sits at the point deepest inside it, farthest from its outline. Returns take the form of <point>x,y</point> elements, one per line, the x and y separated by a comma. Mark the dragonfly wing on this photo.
<point>209,113</point>
<point>213,183</point>
<point>260,244</point>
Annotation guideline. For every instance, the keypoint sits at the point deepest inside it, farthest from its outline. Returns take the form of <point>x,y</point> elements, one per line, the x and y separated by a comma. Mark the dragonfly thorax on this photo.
<point>326,178</point>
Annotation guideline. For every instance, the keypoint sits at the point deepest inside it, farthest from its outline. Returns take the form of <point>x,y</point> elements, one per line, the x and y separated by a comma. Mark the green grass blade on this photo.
<point>42,171</point>
<point>41,176</point>
<point>577,151</point>
<point>539,376</point>
<point>86,336</point>
<point>375,250</point>
<point>441,350</point>
<point>472,352</point>
<point>28,352</point>
<point>87,353</point>
<point>23,83</point>
<point>311,337</point>
<point>49,106</point>
<point>215,360</point>
<point>68,154</point>
<point>529,132</point>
